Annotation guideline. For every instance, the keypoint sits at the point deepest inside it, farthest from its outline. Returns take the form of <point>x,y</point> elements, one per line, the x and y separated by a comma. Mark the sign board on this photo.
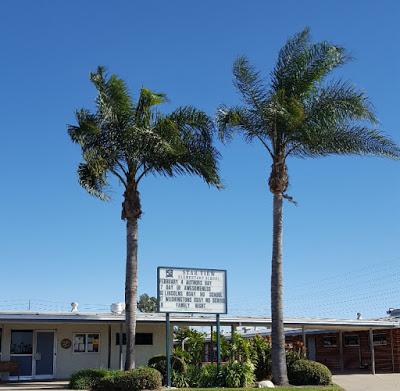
<point>191,290</point>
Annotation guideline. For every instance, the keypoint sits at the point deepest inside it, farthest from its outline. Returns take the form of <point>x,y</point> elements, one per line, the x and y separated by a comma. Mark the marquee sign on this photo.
<point>191,290</point>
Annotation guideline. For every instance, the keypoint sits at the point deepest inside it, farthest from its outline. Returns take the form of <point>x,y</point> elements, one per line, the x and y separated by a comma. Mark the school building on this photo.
<point>52,345</point>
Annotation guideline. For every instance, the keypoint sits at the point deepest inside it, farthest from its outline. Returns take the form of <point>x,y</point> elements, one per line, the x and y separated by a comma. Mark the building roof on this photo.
<point>196,320</point>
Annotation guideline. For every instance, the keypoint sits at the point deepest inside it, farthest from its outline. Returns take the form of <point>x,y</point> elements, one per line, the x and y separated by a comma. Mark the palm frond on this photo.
<point>346,140</point>
<point>93,181</point>
<point>248,82</point>
<point>301,64</point>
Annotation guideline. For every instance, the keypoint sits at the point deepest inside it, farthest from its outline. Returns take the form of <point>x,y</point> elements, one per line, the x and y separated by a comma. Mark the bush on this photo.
<point>193,375</point>
<point>238,374</point>
<point>307,372</point>
<point>180,380</point>
<point>160,363</point>
<point>88,378</point>
<point>261,348</point>
<point>134,380</point>
<point>209,377</point>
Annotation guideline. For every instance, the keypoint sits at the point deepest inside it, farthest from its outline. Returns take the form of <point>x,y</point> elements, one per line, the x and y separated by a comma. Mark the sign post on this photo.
<point>191,290</point>
<point>168,348</point>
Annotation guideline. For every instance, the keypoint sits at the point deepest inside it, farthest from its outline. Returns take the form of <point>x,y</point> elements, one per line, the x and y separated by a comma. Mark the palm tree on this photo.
<point>299,113</point>
<point>130,140</point>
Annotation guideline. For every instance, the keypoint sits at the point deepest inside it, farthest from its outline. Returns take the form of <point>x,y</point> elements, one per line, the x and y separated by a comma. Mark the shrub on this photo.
<point>193,342</point>
<point>261,348</point>
<point>134,380</point>
<point>160,363</point>
<point>307,372</point>
<point>209,377</point>
<point>88,378</point>
<point>238,374</point>
<point>193,374</point>
<point>238,348</point>
<point>180,379</point>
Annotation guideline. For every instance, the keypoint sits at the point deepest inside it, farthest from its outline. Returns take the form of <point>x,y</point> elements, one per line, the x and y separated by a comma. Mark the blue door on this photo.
<point>44,354</point>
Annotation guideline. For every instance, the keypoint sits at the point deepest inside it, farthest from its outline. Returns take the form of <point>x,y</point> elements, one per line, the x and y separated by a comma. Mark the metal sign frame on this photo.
<point>193,268</point>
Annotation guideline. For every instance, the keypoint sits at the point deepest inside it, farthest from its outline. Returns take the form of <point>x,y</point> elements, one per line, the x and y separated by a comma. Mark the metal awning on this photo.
<point>198,320</point>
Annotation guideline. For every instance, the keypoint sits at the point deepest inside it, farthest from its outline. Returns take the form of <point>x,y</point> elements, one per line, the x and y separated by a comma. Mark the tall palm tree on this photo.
<point>299,112</point>
<point>130,140</point>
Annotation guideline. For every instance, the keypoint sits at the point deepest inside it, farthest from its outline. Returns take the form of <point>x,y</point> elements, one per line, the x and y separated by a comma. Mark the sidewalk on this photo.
<point>367,382</point>
<point>34,385</point>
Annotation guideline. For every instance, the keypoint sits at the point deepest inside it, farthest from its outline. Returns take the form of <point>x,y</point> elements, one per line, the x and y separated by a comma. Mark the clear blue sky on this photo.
<point>58,243</point>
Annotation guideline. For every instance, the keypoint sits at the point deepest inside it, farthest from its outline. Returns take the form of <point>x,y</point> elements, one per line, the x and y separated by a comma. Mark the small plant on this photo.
<point>238,374</point>
<point>307,372</point>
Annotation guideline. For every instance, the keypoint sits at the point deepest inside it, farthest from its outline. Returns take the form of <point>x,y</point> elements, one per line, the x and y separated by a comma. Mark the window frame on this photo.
<point>351,345</point>
<point>376,343</point>
<point>329,346</point>
<point>86,334</point>
<point>117,336</point>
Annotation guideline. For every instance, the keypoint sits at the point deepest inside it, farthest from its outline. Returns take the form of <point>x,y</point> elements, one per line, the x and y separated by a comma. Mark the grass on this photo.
<point>292,388</point>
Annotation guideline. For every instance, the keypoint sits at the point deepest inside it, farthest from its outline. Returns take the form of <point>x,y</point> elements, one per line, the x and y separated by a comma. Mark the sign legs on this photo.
<point>168,348</point>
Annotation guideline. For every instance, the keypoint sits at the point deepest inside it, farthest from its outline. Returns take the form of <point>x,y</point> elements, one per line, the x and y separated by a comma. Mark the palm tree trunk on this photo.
<point>131,284</point>
<point>279,369</point>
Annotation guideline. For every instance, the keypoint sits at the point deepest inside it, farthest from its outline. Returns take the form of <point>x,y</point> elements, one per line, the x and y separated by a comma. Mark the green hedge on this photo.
<point>134,380</point>
<point>108,380</point>
<point>86,379</point>
<point>307,372</point>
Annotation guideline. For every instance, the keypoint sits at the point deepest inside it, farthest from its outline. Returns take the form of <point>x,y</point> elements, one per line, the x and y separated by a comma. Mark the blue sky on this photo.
<point>59,244</point>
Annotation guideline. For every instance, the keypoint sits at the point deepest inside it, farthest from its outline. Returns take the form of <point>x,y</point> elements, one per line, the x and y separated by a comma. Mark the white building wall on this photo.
<point>68,362</point>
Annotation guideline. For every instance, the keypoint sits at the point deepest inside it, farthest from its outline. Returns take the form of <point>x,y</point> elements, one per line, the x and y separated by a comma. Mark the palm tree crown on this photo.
<point>300,113</point>
<point>131,140</point>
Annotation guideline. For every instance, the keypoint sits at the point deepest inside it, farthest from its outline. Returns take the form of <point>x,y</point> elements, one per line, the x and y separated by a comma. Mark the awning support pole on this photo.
<point>211,345</point>
<point>218,344</point>
<point>341,350</point>
<point>109,348</point>
<point>232,336</point>
<point>303,333</point>
<point>371,344</point>
<point>391,347</point>
<point>121,363</point>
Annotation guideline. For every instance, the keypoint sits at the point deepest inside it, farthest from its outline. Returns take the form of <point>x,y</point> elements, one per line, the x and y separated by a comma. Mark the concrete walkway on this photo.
<point>367,382</point>
<point>34,385</point>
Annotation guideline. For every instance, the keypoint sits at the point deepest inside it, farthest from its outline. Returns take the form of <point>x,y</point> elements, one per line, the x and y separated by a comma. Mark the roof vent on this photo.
<point>74,307</point>
<point>394,312</point>
<point>117,308</point>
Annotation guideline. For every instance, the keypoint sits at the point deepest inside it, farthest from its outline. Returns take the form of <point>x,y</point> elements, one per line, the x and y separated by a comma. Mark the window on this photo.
<point>86,343</point>
<point>380,339</point>
<point>351,340</point>
<point>329,341</point>
<point>144,339</point>
<point>21,342</point>
<point>140,339</point>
